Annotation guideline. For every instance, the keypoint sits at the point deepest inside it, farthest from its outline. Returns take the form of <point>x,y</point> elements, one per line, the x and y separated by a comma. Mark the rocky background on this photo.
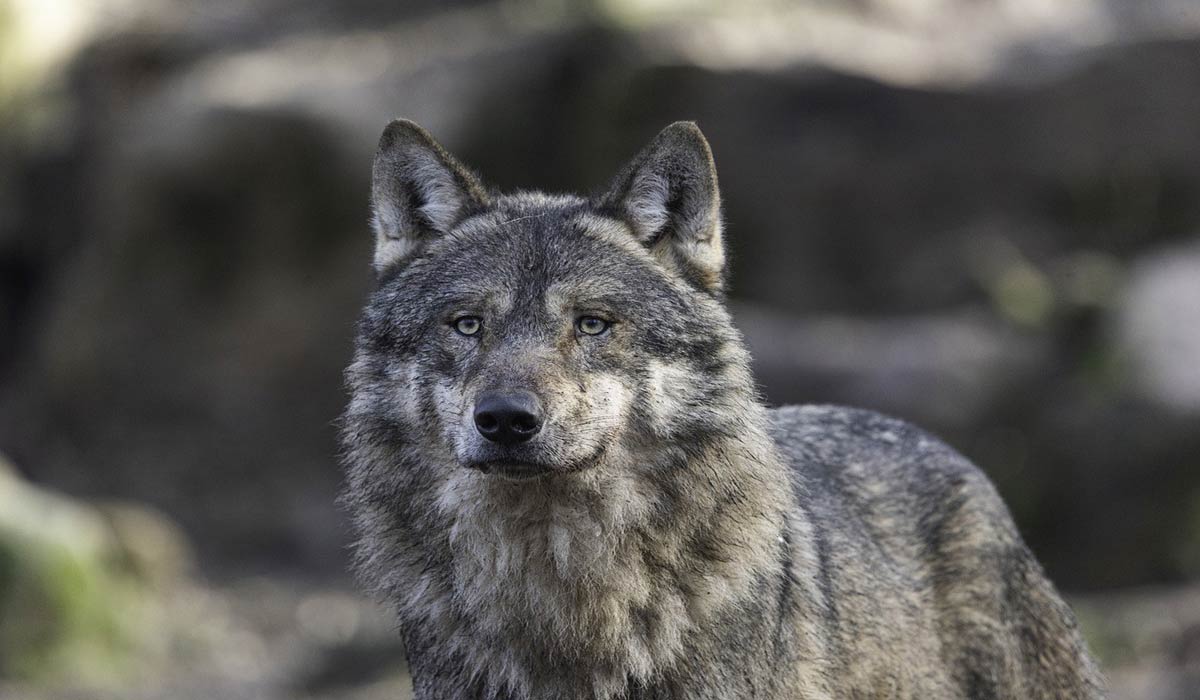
<point>980,215</point>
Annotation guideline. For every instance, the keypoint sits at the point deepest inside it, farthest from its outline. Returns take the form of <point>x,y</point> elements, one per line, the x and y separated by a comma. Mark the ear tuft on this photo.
<point>418,192</point>
<point>668,196</point>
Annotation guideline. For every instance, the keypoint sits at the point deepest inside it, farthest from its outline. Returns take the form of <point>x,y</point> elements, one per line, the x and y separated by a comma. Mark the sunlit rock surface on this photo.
<point>1159,326</point>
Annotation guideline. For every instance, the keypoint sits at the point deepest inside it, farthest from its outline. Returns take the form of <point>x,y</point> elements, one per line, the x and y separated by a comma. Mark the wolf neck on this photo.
<point>618,565</point>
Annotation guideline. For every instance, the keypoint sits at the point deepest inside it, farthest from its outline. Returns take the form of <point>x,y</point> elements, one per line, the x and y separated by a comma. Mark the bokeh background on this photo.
<point>979,215</point>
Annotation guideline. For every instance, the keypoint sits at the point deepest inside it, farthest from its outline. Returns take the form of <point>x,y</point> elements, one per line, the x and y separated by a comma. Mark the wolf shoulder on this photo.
<point>850,463</point>
<point>917,551</point>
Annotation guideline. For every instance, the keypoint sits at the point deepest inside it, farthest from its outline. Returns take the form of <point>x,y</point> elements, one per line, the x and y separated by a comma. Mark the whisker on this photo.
<point>521,218</point>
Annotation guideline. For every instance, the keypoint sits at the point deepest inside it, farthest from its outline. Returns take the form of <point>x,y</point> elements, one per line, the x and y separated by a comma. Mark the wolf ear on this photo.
<point>418,192</point>
<point>668,195</point>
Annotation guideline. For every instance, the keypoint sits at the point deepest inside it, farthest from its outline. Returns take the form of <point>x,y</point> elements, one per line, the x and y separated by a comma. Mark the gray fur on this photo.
<point>419,192</point>
<point>678,540</point>
<point>669,198</point>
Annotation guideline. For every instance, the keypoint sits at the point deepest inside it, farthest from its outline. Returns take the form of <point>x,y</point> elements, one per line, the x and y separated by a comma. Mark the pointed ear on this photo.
<point>668,195</point>
<point>418,192</point>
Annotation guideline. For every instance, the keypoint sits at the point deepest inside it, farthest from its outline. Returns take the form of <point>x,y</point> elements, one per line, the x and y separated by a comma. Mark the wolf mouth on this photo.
<point>513,469</point>
<point>520,469</point>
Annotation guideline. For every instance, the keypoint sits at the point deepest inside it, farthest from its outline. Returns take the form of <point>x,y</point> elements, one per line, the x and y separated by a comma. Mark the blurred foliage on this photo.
<point>80,587</point>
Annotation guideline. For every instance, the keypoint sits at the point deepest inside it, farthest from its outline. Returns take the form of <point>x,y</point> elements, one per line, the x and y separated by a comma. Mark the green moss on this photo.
<point>72,608</point>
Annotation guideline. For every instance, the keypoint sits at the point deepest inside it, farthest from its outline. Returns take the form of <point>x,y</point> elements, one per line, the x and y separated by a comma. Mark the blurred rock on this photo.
<point>908,42</point>
<point>946,369</point>
<point>1159,326</point>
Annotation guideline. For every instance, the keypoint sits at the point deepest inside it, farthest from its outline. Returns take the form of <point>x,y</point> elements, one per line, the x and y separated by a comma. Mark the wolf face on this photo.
<point>525,336</point>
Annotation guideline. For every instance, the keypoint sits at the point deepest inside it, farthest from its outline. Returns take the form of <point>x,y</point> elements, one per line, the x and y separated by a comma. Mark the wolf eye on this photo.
<point>468,325</point>
<point>591,325</point>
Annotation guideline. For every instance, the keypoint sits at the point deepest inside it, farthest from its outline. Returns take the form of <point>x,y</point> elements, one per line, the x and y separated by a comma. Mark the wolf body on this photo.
<point>566,485</point>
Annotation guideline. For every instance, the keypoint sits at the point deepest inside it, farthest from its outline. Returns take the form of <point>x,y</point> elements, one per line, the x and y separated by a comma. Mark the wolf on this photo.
<point>564,481</point>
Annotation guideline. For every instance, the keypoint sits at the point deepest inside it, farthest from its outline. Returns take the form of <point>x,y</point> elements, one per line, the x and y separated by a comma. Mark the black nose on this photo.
<point>508,417</point>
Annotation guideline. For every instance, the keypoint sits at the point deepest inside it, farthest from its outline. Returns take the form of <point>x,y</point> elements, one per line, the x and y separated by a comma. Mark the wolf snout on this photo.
<point>508,417</point>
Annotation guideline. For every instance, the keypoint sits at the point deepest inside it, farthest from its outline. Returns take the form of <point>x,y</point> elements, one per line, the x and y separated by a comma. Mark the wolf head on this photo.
<point>526,335</point>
